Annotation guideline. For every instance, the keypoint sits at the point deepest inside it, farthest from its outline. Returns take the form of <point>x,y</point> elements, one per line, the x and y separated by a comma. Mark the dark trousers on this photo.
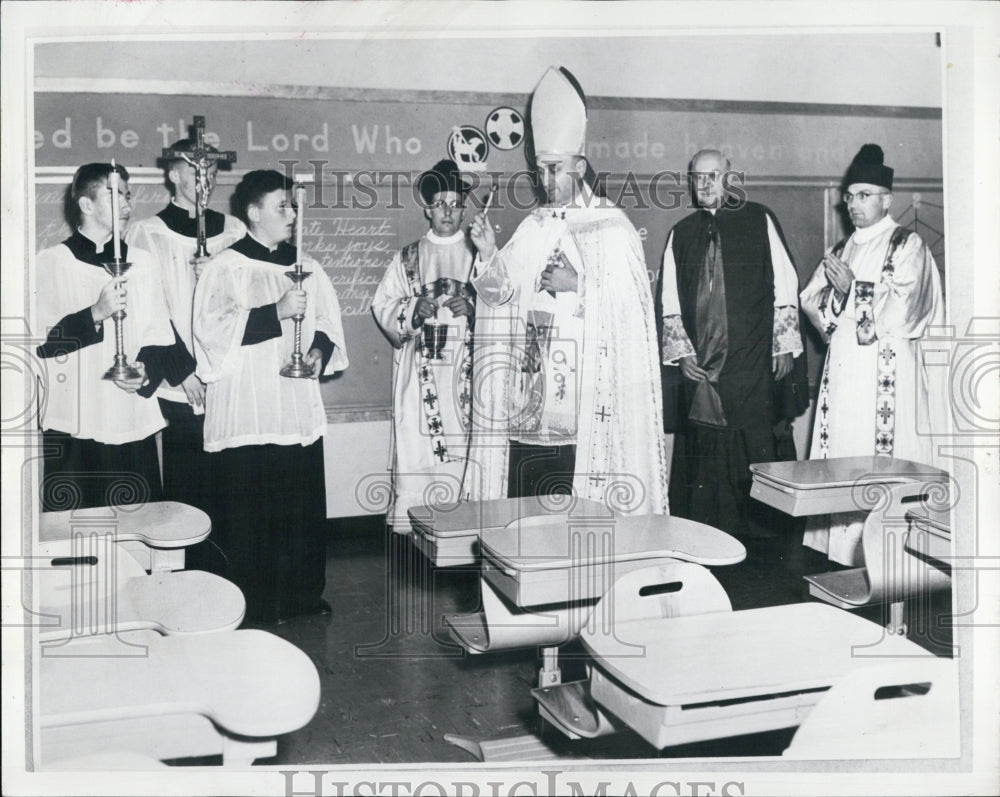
<point>79,473</point>
<point>710,479</point>
<point>189,477</point>
<point>272,525</point>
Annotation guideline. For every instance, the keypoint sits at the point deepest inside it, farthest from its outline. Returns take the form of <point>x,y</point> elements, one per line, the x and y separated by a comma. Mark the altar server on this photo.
<point>171,236</point>
<point>266,430</point>
<point>98,435</point>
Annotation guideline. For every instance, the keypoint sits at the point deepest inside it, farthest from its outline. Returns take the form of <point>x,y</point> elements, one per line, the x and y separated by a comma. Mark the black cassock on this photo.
<point>743,416</point>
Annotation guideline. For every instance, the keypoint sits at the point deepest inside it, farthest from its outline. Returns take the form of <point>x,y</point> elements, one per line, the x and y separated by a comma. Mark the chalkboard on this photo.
<point>356,244</point>
<point>365,149</point>
<point>353,244</point>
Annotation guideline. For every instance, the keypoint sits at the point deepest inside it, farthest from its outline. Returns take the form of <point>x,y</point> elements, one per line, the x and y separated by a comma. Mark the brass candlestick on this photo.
<point>121,370</point>
<point>297,368</point>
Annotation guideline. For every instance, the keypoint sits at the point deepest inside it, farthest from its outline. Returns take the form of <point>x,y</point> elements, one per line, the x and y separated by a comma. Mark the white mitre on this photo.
<point>558,115</point>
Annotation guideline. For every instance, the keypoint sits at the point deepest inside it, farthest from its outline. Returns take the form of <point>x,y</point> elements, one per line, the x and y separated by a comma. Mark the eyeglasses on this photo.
<point>703,178</point>
<point>451,205</point>
<point>861,196</point>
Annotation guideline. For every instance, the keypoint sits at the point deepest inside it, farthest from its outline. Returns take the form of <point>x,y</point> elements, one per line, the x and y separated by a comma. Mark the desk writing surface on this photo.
<point>446,520</point>
<point>159,524</point>
<point>728,655</point>
<point>814,474</point>
<point>543,543</point>
<point>249,682</point>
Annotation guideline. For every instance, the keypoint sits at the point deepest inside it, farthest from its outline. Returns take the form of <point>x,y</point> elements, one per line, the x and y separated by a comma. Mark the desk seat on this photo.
<point>448,534</point>
<point>93,586</point>
<point>892,573</point>
<point>542,575</point>
<point>154,533</point>
<point>900,709</point>
<point>228,693</point>
<point>842,484</point>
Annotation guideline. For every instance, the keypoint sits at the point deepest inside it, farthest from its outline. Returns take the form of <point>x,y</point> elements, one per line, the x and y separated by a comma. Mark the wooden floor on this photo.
<point>393,685</point>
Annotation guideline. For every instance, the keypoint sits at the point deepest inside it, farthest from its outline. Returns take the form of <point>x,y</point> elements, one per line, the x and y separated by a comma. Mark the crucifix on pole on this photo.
<point>201,160</point>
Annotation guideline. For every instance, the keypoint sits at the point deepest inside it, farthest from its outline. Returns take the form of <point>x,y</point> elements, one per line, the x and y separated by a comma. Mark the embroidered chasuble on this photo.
<point>574,367</point>
<point>431,388</point>
<point>876,396</point>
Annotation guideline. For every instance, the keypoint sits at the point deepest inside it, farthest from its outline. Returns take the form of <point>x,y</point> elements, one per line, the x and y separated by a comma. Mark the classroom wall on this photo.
<point>780,116</point>
<point>891,69</point>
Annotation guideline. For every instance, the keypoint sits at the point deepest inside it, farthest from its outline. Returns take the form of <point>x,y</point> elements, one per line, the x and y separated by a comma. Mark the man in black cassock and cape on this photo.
<point>731,325</point>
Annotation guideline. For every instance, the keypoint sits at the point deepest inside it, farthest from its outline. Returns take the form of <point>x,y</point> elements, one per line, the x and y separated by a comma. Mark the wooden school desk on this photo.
<point>542,575</point>
<point>697,676</point>
<point>843,484</point>
<point>448,534</point>
<point>92,586</point>
<point>230,693</point>
<point>155,533</point>
<point>888,489</point>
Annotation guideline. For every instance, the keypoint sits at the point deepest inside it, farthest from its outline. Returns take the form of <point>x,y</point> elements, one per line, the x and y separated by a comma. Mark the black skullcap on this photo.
<point>868,167</point>
<point>442,176</point>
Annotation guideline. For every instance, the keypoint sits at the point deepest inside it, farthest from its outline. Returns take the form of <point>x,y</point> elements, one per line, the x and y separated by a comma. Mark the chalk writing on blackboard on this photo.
<point>354,251</point>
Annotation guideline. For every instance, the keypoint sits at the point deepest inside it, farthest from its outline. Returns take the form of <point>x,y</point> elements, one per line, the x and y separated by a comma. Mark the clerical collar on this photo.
<point>177,219</point>
<point>863,235</point>
<point>248,246</point>
<point>454,238</point>
<point>86,251</point>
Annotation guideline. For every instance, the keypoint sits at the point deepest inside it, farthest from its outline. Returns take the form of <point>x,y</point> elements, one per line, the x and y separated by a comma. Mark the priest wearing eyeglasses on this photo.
<point>873,297</point>
<point>425,307</point>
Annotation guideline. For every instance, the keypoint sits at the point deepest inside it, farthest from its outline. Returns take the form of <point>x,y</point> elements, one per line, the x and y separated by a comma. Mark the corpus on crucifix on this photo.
<point>201,158</point>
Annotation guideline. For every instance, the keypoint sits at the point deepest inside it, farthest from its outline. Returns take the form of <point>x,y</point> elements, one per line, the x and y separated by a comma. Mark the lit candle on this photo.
<point>113,188</point>
<point>300,201</point>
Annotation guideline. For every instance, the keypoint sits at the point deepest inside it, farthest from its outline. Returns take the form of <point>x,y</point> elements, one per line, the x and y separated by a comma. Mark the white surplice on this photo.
<point>247,401</point>
<point>77,400</point>
<point>173,251</point>
<point>877,398</point>
<point>430,408</point>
